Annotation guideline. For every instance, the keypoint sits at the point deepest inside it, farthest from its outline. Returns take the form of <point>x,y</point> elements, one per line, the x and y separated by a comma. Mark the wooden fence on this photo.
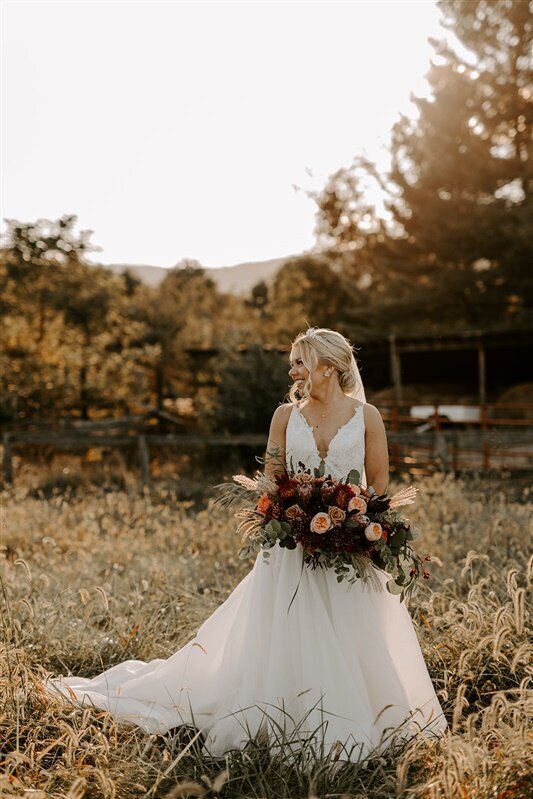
<point>142,442</point>
<point>502,439</point>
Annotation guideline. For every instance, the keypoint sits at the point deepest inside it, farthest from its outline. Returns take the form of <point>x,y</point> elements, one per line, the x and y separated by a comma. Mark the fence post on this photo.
<point>482,371</point>
<point>144,460</point>
<point>441,449</point>
<point>395,426</point>
<point>484,428</point>
<point>8,458</point>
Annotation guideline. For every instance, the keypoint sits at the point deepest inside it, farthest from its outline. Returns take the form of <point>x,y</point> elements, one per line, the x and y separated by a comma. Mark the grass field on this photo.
<point>94,577</point>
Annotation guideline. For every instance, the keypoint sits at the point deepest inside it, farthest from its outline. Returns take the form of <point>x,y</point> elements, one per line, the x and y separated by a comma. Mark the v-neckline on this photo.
<point>352,417</point>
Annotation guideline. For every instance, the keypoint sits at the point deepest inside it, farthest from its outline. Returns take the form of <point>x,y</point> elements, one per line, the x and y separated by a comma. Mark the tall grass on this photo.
<point>94,577</point>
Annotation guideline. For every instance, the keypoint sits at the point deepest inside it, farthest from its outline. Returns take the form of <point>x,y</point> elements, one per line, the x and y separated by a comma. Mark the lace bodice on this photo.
<point>346,450</point>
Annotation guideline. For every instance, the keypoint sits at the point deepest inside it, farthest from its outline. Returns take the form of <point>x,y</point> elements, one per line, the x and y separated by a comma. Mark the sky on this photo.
<point>192,129</point>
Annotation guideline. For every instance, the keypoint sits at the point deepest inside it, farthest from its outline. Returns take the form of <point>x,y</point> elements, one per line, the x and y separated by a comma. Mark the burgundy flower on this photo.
<point>287,487</point>
<point>342,496</point>
<point>327,490</point>
<point>305,491</point>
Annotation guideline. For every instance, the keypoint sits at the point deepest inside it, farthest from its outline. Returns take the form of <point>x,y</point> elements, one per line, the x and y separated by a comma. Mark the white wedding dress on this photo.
<point>343,665</point>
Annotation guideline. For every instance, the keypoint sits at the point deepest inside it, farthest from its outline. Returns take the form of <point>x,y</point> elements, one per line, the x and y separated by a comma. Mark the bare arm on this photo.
<point>376,450</point>
<point>275,450</point>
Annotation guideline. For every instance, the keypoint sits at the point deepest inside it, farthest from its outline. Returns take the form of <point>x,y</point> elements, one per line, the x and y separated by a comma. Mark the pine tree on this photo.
<point>464,166</point>
<point>457,248</point>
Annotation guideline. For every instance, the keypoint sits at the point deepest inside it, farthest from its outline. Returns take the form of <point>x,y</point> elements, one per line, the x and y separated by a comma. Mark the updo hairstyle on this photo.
<point>320,344</point>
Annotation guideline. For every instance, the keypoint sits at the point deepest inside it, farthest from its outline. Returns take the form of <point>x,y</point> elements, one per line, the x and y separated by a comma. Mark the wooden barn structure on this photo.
<point>484,362</point>
<point>497,436</point>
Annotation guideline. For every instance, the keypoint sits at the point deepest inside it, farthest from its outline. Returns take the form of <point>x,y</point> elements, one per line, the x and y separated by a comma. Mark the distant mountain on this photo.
<point>150,275</point>
<point>238,279</point>
<point>241,278</point>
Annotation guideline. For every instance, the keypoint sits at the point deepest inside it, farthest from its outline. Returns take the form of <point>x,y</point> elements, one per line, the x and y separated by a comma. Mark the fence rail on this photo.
<point>503,442</point>
<point>500,438</point>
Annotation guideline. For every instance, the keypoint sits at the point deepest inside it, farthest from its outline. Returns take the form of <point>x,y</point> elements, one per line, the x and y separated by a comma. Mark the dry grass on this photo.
<point>95,577</point>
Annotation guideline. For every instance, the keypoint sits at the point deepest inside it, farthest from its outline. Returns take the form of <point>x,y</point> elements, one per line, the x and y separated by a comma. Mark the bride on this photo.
<point>342,671</point>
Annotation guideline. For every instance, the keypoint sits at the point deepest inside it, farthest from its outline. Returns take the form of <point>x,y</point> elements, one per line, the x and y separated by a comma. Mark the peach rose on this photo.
<point>264,503</point>
<point>303,477</point>
<point>293,512</point>
<point>337,515</point>
<point>373,531</point>
<point>320,523</point>
<point>357,503</point>
<point>355,488</point>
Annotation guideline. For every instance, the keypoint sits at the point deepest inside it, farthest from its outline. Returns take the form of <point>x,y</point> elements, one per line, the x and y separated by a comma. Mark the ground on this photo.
<point>93,577</point>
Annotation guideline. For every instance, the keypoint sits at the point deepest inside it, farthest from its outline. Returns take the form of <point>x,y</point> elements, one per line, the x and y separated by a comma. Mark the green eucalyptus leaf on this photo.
<point>354,477</point>
<point>399,538</point>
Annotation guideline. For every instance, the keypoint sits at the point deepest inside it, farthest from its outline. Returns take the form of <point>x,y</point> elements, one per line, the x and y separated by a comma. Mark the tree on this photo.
<point>258,302</point>
<point>69,336</point>
<point>378,267</point>
<point>196,299</point>
<point>306,291</point>
<point>33,252</point>
<point>452,247</point>
<point>180,314</point>
<point>251,384</point>
<point>464,167</point>
<point>34,259</point>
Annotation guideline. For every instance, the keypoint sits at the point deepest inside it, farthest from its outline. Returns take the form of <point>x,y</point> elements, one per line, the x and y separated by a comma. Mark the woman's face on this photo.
<point>299,373</point>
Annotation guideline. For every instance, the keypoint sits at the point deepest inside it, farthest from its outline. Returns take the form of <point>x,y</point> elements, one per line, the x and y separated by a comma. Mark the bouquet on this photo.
<point>339,524</point>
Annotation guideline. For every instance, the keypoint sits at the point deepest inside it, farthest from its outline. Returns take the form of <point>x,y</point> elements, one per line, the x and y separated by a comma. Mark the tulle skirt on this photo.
<point>340,671</point>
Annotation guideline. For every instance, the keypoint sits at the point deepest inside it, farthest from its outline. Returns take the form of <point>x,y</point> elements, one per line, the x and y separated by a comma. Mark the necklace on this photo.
<point>322,416</point>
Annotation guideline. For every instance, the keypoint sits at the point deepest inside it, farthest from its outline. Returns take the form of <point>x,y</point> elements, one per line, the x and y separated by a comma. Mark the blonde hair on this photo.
<point>322,344</point>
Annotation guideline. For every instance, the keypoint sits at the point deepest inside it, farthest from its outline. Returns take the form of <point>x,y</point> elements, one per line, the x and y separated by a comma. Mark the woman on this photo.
<point>341,672</point>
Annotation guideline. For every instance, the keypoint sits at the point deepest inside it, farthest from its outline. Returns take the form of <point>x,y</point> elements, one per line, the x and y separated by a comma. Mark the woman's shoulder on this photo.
<point>283,411</point>
<point>280,419</point>
<point>373,418</point>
